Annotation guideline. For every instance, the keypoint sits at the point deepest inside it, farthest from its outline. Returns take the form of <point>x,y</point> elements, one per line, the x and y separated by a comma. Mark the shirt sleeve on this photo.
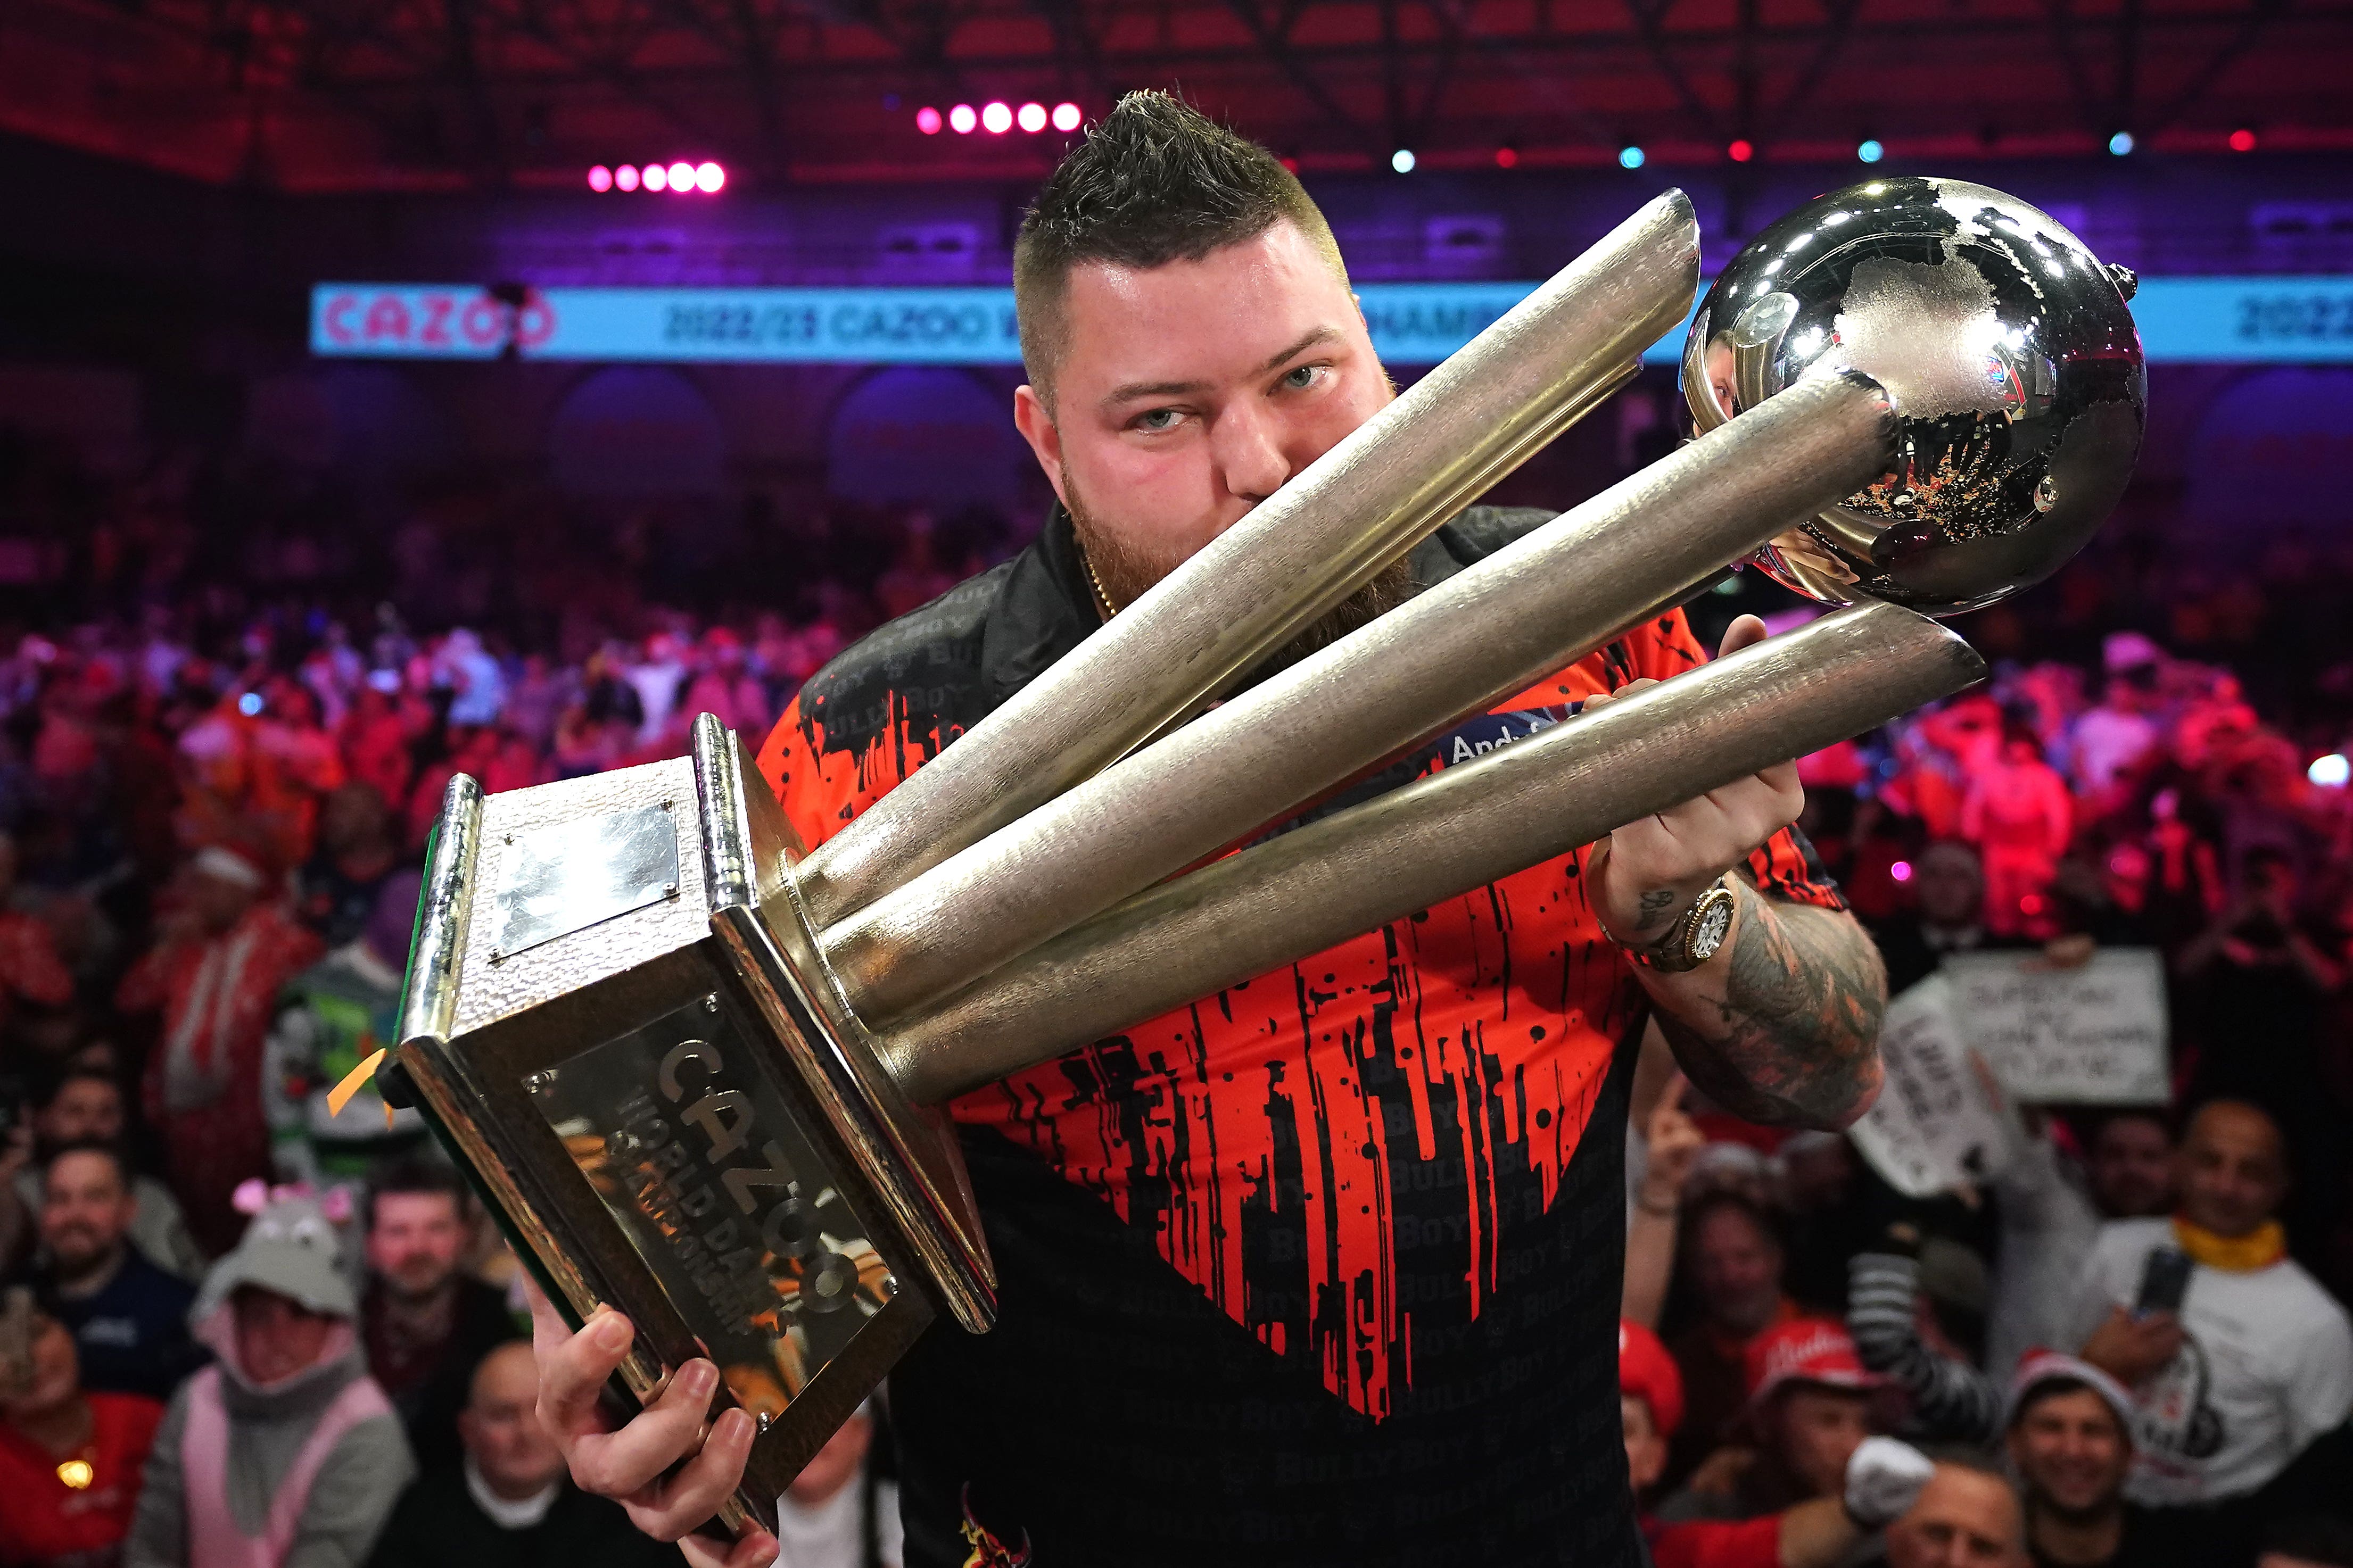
<point>2320,1385</point>
<point>819,786</point>
<point>1707,1543</point>
<point>1951,1400</point>
<point>1785,866</point>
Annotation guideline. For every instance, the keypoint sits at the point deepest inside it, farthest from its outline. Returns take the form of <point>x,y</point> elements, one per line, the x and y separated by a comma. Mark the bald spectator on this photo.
<point>1965,1518</point>
<point>507,1503</point>
<point>2257,1361</point>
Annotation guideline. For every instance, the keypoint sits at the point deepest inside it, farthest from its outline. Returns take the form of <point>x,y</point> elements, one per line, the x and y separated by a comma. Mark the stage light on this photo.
<point>2333,771</point>
<point>1741,151</point>
<point>1507,157</point>
<point>961,120</point>
<point>1869,152</point>
<point>927,121</point>
<point>2121,144</point>
<point>1630,157</point>
<point>625,178</point>
<point>710,177</point>
<point>1068,116</point>
<point>1030,117</point>
<point>656,176</point>
<point>250,704</point>
<point>2242,139</point>
<point>1402,159</point>
<point>1901,870</point>
<point>600,178</point>
<point>681,177</point>
<point>996,119</point>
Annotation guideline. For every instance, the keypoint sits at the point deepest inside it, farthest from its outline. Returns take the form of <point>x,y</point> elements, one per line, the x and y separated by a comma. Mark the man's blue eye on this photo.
<point>1303,377</point>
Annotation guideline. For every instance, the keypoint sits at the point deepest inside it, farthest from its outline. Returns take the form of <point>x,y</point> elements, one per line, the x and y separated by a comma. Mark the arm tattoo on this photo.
<point>1654,906</point>
<point>1785,1030</point>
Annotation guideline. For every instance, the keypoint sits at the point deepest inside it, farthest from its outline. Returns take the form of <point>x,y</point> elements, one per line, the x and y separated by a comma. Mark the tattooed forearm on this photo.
<point>1783,1028</point>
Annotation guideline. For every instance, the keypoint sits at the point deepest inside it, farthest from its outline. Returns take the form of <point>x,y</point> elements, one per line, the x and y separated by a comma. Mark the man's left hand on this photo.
<point>1647,874</point>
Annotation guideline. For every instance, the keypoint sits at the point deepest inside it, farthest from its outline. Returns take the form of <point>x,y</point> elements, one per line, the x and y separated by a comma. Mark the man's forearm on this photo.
<point>1782,1025</point>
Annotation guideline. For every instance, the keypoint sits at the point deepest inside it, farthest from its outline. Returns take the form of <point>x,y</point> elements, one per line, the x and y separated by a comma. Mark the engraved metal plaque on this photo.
<point>570,876</point>
<point>699,1161</point>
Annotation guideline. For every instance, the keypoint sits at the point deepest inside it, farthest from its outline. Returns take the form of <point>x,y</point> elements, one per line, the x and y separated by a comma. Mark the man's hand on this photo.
<point>1781,1026</point>
<point>2131,1349</point>
<point>1671,1142</point>
<point>632,1464</point>
<point>1645,876</point>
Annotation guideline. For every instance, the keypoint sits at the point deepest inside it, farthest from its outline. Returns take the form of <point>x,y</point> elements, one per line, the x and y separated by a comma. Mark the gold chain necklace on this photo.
<point>1110,606</point>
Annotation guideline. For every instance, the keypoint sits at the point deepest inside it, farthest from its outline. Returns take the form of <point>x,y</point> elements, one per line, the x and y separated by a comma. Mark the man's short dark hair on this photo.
<point>110,1153</point>
<point>73,1073</point>
<point>1155,181</point>
<point>2053,1388</point>
<point>1701,1210</point>
<point>412,1174</point>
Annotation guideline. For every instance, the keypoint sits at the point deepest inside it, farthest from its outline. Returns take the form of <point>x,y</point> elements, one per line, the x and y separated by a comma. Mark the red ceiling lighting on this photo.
<point>996,119</point>
<point>1741,150</point>
<point>2242,139</point>
<point>927,121</point>
<point>1030,117</point>
<point>1507,157</point>
<point>625,178</point>
<point>600,178</point>
<point>1067,117</point>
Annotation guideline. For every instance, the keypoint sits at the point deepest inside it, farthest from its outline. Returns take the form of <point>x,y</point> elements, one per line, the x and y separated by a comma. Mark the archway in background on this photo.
<point>636,431</point>
<point>921,436</point>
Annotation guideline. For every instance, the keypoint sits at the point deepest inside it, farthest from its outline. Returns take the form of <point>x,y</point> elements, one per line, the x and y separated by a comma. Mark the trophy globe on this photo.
<point>2006,349</point>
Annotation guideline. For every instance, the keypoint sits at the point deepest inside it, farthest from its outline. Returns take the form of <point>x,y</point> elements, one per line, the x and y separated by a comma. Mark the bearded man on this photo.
<point>1323,1268</point>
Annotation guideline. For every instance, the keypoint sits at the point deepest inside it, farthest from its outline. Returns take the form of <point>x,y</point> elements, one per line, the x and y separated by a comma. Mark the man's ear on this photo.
<point>1036,423</point>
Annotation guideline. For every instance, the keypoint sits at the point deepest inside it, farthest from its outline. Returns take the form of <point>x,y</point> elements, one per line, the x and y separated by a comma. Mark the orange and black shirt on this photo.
<point>1324,1268</point>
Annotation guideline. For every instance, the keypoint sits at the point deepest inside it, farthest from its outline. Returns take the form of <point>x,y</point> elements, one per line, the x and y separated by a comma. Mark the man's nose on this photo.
<point>1246,444</point>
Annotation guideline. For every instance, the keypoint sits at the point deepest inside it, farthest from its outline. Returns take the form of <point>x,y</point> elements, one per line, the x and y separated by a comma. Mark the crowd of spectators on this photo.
<point>224,736</point>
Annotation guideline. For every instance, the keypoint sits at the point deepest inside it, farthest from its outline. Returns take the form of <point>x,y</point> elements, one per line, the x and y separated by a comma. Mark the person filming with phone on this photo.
<point>2236,1358</point>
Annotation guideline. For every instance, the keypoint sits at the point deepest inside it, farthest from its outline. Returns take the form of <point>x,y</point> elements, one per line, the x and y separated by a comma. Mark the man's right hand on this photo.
<point>632,1464</point>
<point>2131,1349</point>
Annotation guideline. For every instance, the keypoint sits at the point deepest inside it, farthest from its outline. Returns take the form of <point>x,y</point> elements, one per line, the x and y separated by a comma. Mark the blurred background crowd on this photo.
<point>225,732</point>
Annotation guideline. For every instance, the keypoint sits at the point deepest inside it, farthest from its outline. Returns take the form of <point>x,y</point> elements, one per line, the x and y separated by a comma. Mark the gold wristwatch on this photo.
<point>1695,938</point>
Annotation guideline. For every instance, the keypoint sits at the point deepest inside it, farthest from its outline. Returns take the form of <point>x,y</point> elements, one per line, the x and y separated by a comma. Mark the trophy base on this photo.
<point>618,1039</point>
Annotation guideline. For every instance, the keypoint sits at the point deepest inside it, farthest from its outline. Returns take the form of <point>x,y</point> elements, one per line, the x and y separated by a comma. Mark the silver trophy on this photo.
<point>695,1064</point>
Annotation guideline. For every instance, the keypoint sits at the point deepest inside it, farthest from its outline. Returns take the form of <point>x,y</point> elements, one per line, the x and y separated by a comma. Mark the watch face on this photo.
<point>1707,935</point>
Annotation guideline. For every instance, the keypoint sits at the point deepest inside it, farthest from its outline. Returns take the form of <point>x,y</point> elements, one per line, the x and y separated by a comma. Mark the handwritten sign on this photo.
<point>1934,1127</point>
<point>2089,1036</point>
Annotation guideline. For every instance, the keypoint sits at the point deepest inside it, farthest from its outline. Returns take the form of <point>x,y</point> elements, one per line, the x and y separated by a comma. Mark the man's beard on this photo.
<point>1123,571</point>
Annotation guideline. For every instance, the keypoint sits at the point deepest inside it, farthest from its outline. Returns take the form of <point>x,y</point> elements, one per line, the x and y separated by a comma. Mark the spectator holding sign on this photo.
<point>2236,1358</point>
